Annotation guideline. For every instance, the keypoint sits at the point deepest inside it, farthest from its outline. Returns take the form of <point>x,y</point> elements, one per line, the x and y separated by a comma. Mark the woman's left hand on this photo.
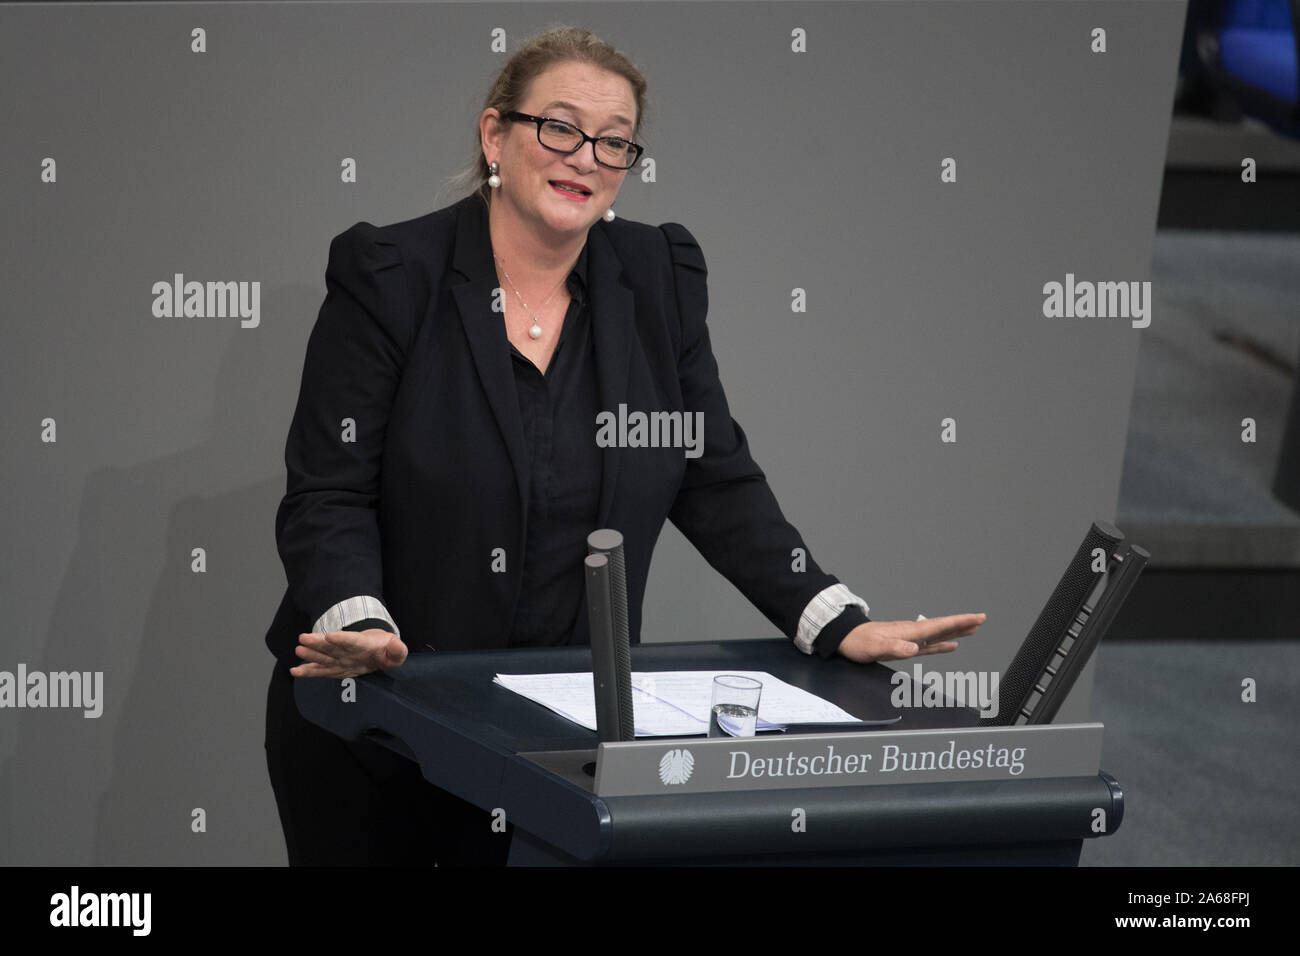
<point>897,640</point>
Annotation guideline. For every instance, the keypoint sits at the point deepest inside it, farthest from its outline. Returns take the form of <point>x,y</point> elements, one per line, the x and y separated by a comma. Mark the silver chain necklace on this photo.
<point>535,332</point>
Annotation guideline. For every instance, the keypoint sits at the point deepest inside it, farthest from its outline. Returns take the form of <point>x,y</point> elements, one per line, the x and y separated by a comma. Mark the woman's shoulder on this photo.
<point>415,237</point>
<point>421,236</point>
<point>640,241</point>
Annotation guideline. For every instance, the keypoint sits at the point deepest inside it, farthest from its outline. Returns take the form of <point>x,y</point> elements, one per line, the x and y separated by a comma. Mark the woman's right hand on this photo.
<point>348,653</point>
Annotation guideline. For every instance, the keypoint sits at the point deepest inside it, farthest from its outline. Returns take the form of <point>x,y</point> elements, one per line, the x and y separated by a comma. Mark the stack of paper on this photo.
<point>676,703</point>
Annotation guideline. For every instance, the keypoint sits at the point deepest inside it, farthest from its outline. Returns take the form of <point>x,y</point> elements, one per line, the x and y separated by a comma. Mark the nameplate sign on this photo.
<point>778,762</point>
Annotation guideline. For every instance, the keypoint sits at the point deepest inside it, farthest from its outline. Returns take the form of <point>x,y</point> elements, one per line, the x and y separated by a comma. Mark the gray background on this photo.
<point>818,170</point>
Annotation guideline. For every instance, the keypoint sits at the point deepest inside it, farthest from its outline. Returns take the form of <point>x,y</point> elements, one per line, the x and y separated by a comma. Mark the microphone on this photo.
<point>611,655</point>
<point>1069,628</point>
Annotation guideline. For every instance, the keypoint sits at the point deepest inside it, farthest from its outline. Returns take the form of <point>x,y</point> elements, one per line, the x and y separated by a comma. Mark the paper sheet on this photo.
<point>676,703</point>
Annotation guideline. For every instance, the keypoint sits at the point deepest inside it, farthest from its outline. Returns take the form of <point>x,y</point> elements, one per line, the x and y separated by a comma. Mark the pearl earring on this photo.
<point>494,180</point>
<point>609,214</point>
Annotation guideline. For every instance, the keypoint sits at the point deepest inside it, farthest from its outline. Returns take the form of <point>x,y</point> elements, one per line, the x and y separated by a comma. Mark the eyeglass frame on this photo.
<point>539,120</point>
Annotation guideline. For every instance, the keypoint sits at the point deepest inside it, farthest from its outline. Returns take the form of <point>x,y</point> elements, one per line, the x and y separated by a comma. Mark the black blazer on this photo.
<point>407,346</point>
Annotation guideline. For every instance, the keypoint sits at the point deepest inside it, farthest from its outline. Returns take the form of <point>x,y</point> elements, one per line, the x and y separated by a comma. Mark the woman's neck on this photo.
<point>526,255</point>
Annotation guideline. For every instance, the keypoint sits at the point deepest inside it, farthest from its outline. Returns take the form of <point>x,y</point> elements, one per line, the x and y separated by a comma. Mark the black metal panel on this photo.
<point>848,819</point>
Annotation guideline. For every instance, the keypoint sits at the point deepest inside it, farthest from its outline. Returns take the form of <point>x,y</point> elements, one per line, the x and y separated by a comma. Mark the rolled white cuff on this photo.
<point>825,607</point>
<point>352,610</point>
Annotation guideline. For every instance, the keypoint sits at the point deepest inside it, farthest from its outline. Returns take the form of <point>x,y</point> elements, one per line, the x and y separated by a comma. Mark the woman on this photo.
<point>443,463</point>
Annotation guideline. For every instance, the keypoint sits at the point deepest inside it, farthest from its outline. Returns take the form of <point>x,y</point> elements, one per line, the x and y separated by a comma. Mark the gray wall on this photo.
<point>817,170</point>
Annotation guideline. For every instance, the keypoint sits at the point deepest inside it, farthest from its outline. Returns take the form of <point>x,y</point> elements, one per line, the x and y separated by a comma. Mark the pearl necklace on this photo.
<point>535,332</point>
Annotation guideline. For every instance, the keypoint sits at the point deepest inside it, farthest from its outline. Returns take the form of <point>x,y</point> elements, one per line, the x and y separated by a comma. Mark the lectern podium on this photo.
<point>497,749</point>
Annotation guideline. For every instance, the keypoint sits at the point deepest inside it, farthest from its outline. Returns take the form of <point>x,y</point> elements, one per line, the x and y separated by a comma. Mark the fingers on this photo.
<point>320,670</point>
<point>347,653</point>
<point>941,642</point>
<point>914,648</point>
<point>934,631</point>
<point>340,645</point>
<point>321,654</point>
<point>934,627</point>
<point>899,640</point>
<point>309,654</point>
<point>942,647</point>
<point>946,638</point>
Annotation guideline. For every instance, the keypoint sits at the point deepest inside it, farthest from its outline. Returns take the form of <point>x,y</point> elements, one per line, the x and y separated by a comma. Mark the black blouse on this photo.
<point>558,411</point>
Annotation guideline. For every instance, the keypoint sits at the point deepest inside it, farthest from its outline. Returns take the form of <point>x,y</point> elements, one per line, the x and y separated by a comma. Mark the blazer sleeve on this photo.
<point>724,506</point>
<point>326,527</point>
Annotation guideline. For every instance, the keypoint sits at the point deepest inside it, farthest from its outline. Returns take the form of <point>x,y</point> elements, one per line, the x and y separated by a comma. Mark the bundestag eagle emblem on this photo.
<point>676,767</point>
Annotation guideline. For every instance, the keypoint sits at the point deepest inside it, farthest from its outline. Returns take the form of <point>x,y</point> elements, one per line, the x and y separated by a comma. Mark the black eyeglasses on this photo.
<point>561,137</point>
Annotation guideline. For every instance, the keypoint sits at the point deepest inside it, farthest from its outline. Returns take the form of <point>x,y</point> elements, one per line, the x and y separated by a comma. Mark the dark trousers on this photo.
<point>356,803</point>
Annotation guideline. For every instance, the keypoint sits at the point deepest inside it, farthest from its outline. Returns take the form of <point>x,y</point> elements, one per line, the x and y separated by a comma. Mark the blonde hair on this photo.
<point>557,45</point>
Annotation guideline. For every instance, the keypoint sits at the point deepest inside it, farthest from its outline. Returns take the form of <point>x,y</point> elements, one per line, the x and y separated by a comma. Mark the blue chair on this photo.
<point>1249,50</point>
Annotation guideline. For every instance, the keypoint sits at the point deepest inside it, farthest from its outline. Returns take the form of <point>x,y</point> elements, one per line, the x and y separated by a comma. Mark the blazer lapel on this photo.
<point>487,339</point>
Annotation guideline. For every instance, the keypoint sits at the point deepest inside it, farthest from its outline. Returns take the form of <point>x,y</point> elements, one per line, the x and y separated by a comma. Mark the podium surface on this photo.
<point>499,750</point>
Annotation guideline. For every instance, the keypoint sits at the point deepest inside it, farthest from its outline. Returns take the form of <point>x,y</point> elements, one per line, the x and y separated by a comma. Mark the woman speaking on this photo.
<point>443,463</point>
